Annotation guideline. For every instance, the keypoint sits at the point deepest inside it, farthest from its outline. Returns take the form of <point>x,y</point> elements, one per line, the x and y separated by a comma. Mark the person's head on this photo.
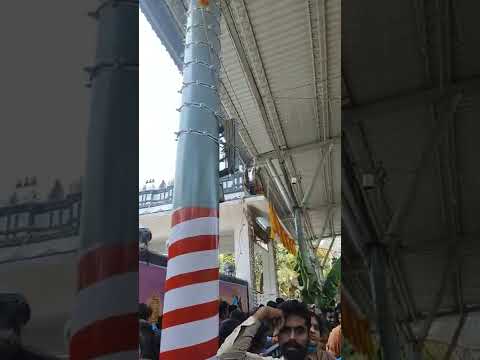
<point>154,305</point>
<point>293,337</point>
<point>237,315</point>
<point>144,312</point>
<point>223,310</point>
<point>279,300</point>
<point>272,304</point>
<point>318,331</point>
<point>232,308</point>
<point>338,313</point>
<point>331,317</point>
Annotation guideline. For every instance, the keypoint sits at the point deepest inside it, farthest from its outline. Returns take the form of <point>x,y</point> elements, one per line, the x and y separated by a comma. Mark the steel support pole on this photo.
<point>385,321</point>
<point>281,188</point>
<point>300,238</point>
<point>190,313</point>
<point>309,259</point>
<point>302,245</point>
<point>108,257</point>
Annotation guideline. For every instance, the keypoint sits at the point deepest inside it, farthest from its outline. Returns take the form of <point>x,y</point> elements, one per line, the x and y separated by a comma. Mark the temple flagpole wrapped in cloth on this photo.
<point>190,313</point>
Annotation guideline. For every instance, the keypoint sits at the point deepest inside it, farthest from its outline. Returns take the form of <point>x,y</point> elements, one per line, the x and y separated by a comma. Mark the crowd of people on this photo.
<point>281,329</point>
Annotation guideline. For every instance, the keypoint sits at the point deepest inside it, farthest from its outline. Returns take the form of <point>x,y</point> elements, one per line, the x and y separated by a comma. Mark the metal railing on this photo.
<point>35,222</point>
<point>231,184</point>
<point>46,220</point>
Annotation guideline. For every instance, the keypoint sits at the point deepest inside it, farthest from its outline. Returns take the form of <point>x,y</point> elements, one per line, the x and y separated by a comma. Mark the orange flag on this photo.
<point>277,229</point>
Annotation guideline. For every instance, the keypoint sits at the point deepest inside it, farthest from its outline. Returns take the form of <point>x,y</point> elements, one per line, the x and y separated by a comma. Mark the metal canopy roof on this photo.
<point>279,84</point>
<point>411,101</point>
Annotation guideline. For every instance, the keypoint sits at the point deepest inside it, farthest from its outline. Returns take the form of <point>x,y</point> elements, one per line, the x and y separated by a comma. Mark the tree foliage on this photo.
<point>226,261</point>
<point>288,286</point>
<point>293,281</point>
<point>331,285</point>
<point>312,292</point>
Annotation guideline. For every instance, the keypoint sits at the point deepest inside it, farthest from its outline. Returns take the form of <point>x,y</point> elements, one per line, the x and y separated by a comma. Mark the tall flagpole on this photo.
<point>190,313</point>
<point>104,323</point>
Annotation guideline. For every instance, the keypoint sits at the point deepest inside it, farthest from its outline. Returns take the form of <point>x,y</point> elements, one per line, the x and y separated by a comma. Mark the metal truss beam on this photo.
<point>409,100</point>
<point>300,149</point>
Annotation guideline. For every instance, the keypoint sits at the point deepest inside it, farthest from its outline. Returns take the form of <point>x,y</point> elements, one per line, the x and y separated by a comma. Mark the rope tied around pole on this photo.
<point>199,83</point>
<point>209,27</point>
<point>204,44</point>
<point>113,65</point>
<point>199,62</point>
<point>201,106</point>
<point>197,132</point>
<point>204,133</point>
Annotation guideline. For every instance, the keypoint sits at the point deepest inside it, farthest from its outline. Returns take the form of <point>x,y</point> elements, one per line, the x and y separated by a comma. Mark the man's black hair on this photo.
<point>322,324</point>
<point>295,307</point>
<point>144,311</point>
<point>232,308</point>
<point>279,300</point>
<point>272,304</point>
<point>237,315</point>
<point>222,309</point>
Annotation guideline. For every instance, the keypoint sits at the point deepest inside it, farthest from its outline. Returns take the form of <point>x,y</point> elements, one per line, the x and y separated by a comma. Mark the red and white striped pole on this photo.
<point>190,312</point>
<point>104,323</point>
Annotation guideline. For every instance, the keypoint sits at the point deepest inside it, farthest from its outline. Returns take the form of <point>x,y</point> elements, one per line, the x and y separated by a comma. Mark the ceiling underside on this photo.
<point>279,84</point>
<point>411,102</point>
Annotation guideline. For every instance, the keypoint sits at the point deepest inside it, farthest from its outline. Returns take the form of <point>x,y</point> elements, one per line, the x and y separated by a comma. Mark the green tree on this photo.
<point>331,285</point>
<point>323,295</point>
<point>226,261</point>
<point>286,274</point>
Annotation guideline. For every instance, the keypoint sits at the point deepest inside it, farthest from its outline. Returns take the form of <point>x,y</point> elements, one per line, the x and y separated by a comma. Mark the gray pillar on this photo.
<point>270,287</point>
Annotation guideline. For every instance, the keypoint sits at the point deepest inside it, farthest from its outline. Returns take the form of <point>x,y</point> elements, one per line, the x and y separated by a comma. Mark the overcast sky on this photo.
<point>44,103</point>
<point>160,81</point>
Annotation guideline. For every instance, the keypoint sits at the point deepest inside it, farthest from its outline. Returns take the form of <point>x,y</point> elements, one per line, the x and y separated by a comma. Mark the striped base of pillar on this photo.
<point>190,313</point>
<point>105,320</point>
